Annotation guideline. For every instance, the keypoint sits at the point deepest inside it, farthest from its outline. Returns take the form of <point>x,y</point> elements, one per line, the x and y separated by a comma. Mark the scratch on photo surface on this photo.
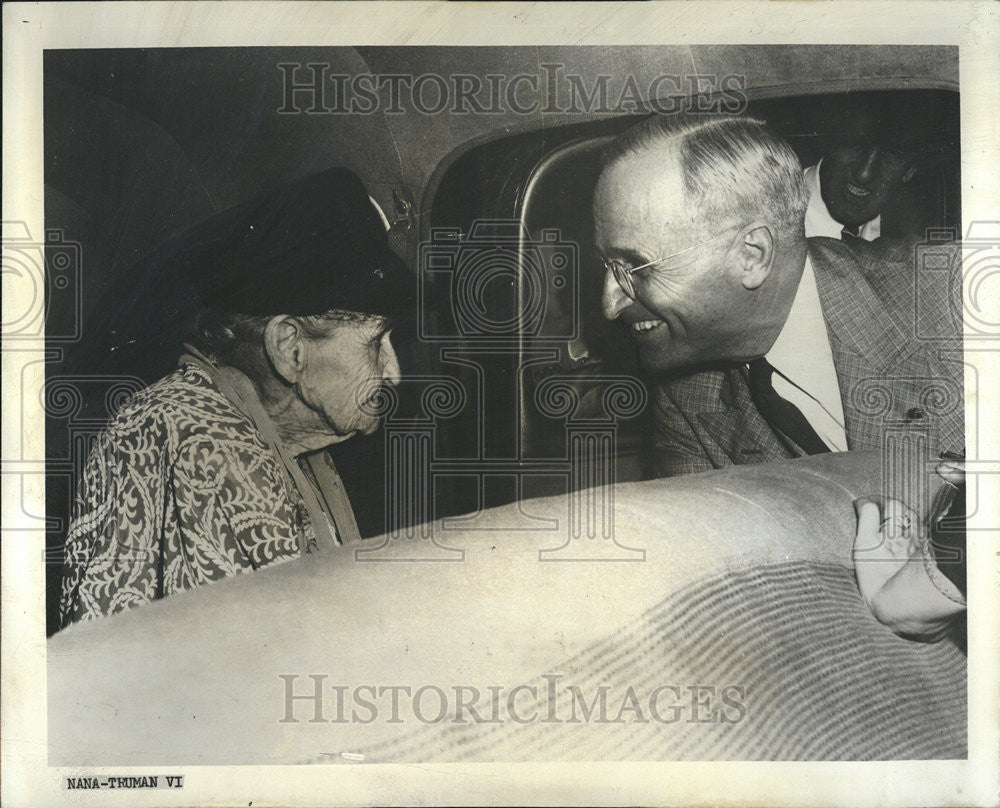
<point>750,502</point>
<point>852,494</point>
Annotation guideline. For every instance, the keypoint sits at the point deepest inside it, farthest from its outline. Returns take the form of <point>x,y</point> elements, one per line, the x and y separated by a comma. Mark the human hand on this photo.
<point>952,471</point>
<point>882,546</point>
<point>890,565</point>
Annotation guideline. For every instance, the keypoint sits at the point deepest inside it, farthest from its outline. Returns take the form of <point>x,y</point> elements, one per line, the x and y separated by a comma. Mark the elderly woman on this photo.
<point>218,468</point>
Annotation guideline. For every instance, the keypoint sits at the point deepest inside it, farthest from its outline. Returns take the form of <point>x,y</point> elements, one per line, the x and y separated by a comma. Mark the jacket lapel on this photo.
<point>735,426</point>
<point>867,337</point>
<point>858,322</point>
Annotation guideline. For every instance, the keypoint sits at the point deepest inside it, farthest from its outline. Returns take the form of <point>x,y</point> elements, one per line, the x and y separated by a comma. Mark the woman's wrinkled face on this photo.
<point>344,372</point>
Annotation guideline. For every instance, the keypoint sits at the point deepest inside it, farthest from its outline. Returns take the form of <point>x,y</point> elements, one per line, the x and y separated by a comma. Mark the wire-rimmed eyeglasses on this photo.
<point>623,274</point>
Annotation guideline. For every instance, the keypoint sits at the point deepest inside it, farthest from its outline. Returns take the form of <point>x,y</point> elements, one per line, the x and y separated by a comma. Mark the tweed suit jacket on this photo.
<point>893,314</point>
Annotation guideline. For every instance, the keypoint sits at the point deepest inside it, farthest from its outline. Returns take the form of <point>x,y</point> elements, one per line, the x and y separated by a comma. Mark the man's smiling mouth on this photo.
<point>646,325</point>
<point>856,190</point>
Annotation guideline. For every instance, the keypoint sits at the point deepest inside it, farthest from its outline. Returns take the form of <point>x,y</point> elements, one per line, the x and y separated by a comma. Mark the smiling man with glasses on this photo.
<point>758,341</point>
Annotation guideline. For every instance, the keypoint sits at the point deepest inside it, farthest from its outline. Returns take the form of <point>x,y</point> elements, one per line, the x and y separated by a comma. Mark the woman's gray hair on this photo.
<point>237,340</point>
<point>734,167</point>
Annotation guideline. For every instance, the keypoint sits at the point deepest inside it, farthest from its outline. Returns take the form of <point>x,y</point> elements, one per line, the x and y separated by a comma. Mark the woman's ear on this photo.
<point>755,255</point>
<point>284,346</point>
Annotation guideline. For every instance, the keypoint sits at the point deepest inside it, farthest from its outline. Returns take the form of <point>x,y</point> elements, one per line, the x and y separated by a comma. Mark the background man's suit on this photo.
<point>895,332</point>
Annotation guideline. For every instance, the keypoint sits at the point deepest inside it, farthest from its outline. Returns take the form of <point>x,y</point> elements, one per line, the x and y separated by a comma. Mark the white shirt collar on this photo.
<point>803,327</point>
<point>819,222</point>
<point>802,355</point>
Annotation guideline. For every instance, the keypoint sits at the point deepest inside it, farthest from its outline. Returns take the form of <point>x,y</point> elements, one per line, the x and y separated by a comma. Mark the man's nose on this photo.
<point>613,299</point>
<point>391,374</point>
<point>868,166</point>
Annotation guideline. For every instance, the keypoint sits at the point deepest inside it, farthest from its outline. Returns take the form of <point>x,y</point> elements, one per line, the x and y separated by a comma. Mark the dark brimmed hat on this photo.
<point>312,245</point>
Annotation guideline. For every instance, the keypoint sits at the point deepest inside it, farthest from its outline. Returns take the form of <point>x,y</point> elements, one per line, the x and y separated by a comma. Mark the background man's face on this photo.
<point>688,309</point>
<point>858,176</point>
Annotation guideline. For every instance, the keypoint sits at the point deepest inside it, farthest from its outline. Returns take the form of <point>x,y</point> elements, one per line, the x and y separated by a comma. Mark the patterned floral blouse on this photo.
<point>180,490</point>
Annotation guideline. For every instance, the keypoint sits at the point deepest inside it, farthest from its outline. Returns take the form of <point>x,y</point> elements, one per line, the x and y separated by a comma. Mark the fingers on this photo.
<point>882,545</point>
<point>869,523</point>
<point>872,564</point>
<point>877,502</point>
<point>952,471</point>
<point>898,520</point>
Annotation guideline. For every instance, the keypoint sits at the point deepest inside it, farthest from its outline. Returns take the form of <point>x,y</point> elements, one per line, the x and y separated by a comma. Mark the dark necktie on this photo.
<point>850,233</point>
<point>781,415</point>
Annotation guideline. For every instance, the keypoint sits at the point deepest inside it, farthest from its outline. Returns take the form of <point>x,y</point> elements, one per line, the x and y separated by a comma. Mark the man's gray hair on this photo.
<point>734,167</point>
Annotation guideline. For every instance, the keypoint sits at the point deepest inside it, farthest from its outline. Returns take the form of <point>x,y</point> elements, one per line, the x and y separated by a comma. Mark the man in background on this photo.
<point>858,175</point>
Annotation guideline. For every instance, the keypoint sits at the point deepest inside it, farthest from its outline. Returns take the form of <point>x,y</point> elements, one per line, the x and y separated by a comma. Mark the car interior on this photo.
<point>522,389</point>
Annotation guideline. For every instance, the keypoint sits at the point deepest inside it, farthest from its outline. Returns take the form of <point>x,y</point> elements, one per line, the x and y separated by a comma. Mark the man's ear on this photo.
<point>283,344</point>
<point>755,255</point>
